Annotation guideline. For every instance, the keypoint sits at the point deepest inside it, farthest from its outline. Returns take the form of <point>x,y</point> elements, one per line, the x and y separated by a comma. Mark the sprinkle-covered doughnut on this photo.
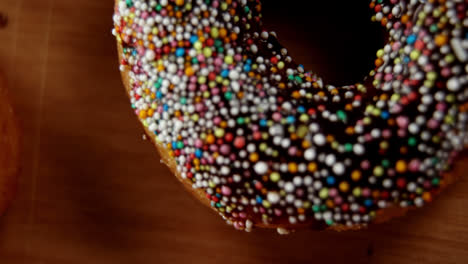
<point>268,143</point>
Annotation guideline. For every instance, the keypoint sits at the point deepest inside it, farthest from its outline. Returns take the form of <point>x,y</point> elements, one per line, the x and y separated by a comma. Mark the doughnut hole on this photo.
<point>335,39</point>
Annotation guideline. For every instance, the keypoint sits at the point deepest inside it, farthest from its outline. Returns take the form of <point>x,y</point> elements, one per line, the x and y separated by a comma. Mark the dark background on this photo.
<point>335,39</point>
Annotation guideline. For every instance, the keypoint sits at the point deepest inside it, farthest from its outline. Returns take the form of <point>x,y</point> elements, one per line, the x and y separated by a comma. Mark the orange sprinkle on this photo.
<point>405,19</point>
<point>253,157</point>
<point>210,139</point>
<point>378,62</point>
<point>401,166</point>
<point>356,175</point>
<point>344,186</point>
<point>222,32</point>
<point>189,71</point>
<point>427,197</point>
<point>292,167</point>
<point>441,40</point>
<point>312,167</point>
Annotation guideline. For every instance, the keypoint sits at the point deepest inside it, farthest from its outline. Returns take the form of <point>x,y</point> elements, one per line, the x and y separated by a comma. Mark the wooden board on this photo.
<point>92,191</point>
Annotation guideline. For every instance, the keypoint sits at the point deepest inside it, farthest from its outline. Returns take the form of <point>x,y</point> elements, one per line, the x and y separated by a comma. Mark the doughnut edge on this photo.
<point>9,185</point>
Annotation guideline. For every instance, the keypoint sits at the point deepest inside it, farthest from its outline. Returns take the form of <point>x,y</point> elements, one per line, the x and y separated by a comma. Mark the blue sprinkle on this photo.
<point>259,199</point>
<point>193,39</point>
<point>291,119</point>
<point>385,115</point>
<point>368,202</point>
<point>248,61</point>
<point>198,153</point>
<point>331,180</point>
<point>247,68</point>
<point>180,52</point>
<point>225,73</point>
<point>159,95</point>
<point>263,123</point>
<point>411,39</point>
<point>406,59</point>
<point>301,109</point>
<point>174,145</point>
<point>166,107</point>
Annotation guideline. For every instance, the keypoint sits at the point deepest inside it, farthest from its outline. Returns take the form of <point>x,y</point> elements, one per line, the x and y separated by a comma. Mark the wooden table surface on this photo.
<point>92,191</point>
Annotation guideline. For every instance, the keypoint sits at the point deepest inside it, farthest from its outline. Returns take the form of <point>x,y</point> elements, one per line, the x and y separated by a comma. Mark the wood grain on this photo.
<point>92,191</point>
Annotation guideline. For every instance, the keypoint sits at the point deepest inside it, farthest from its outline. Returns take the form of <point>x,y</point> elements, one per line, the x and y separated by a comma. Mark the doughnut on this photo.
<point>266,143</point>
<point>9,146</point>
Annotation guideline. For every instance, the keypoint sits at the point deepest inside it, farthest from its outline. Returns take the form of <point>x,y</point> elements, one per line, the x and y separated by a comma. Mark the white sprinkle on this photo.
<point>234,75</point>
<point>282,231</point>
<point>273,197</point>
<point>330,159</point>
<point>320,139</point>
<point>289,187</point>
<point>261,168</point>
<point>310,154</point>
<point>453,84</point>
<point>358,149</point>
<point>150,55</point>
<point>338,168</point>
<point>458,49</point>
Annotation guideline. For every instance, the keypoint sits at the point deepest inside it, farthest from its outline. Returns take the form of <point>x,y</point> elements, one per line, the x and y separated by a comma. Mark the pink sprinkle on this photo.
<point>338,200</point>
<point>213,147</point>
<point>292,151</point>
<point>414,165</point>
<point>366,192</point>
<point>201,58</point>
<point>388,77</point>
<point>402,121</point>
<point>192,87</point>
<point>365,164</point>
<point>386,133</point>
<point>225,149</point>
<point>278,212</point>
<point>401,133</point>
<point>277,116</point>
<point>218,62</point>
<point>396,108</point>
<point>226,190</point>
<point>441,106</point>
<point>332,192</point>
<point>446,72</point>
<point>433,124</point>
<point>215,91</point>
<point>198,143</point>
